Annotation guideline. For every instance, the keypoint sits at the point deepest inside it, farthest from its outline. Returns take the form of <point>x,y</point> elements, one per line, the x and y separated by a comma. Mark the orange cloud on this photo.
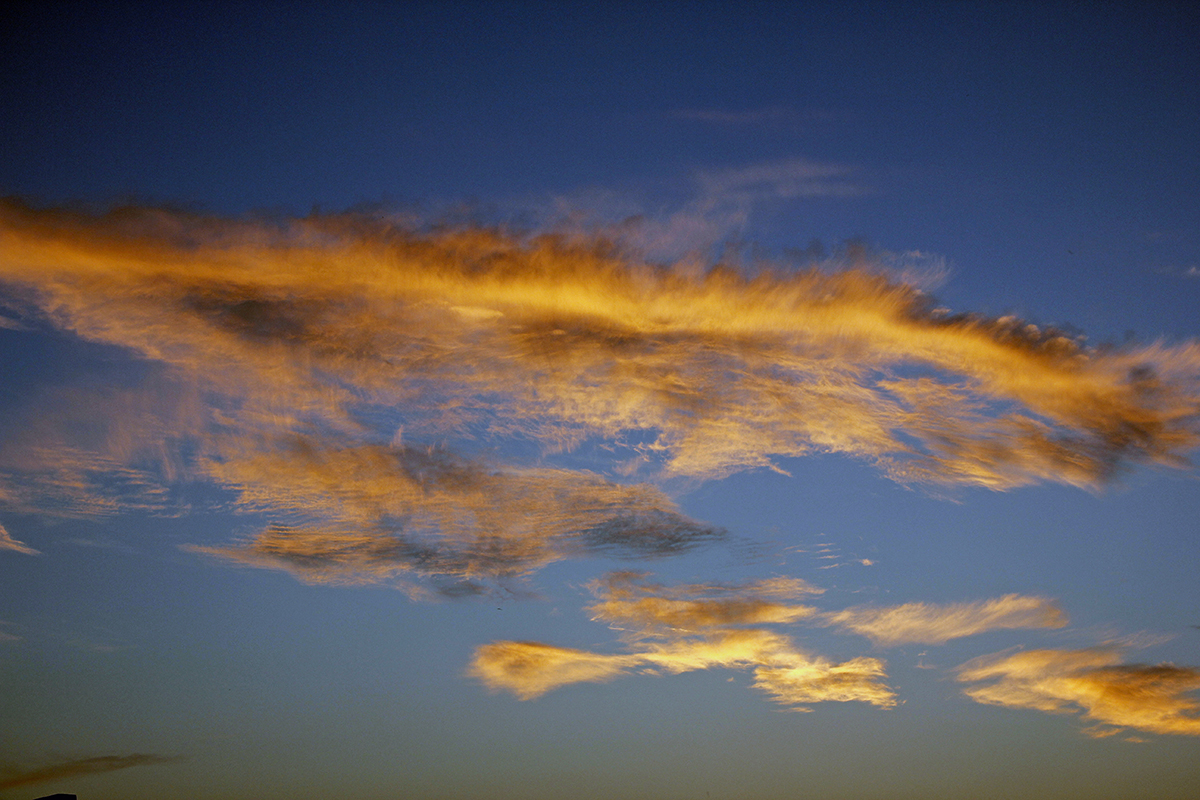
<point>690,628</point>
<point>530,669</point>
<point>625,598</point>
<point>789,676</point>
<point>376,514</point>
<point>929,623</point>
<point>1151,698</point>
<point>815,681</point>
<point>306,365</point>
<point>314,319</point>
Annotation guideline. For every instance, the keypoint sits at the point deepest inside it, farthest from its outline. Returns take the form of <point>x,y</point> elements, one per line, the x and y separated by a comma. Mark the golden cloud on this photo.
<point>627,599</point>
<point>690,630</point>
<point>376,514</point>
<point>929,623</point>
<point>567,340</point>
<point>1151,698</point>
<point>354,377</point>
<point>530,669</point>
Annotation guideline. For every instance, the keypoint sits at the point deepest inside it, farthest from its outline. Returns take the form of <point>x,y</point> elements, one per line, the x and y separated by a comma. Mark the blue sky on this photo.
<point>648,400</point>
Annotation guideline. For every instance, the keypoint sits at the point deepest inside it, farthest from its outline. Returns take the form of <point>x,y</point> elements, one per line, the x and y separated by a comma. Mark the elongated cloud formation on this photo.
<point>11,778</point>
<point>390,511</point>
<point>1094,682</point>
<point>649,609</point>
<point>690,628</point>
<point>355,378</point>
<point>530,669</point>
<point>781,179</point>
<point>935,624</point>
<point>481,332</point>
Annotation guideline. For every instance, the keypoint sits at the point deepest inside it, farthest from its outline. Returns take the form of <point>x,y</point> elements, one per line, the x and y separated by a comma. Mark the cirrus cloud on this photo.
<point>929,623</point>
<point>356,377</point>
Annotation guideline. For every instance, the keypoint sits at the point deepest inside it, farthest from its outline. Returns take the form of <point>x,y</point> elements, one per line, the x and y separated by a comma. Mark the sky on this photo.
<point>637,400</point>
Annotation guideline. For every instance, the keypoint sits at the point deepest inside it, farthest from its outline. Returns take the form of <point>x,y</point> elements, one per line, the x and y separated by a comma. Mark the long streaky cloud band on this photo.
<point>307,364</point>
<point>566,340</point>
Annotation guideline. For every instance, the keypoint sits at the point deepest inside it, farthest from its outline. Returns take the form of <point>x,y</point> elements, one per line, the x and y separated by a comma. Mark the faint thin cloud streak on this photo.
<point>11,778</point>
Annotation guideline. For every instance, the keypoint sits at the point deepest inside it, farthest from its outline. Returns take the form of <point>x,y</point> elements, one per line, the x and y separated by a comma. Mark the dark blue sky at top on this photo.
<point>1046,147</point>
<point>242,104</point>
<point>1050,153</point>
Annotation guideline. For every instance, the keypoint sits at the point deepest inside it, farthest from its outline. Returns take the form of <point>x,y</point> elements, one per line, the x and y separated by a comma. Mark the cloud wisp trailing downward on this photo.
<point>671,630</point>
<point>366,381</point>
<point>9,543</point>
<point>12,778</point>
<point>1093,682</point>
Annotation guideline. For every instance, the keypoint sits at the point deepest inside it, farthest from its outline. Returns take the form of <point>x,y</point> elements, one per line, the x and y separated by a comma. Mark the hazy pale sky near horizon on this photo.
<point>520,400</point>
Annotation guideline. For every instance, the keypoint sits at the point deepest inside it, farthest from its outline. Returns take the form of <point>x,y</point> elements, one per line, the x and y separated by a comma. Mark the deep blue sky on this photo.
<point>1040,160</point>
<point>1034,144</point>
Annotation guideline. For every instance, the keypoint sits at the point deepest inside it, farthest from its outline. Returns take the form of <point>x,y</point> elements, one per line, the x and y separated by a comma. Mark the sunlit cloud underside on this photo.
<point>671,630</point>
<point>415,406</point>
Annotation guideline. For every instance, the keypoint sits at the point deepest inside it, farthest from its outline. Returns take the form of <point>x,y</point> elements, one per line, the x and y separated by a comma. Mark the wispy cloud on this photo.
<point>781,180</point>
<point>672,630</point>
<point>713,218</point>
<point>367,382</point>
<point>531,669</point>
<point>379,514</point>
<point>9,543</point>
<point>669,630</point>
<point>11,777</point>
<point>627,601</point>
<point>1093,682</point>
<point>1179,271</point>
<point>929,623</point>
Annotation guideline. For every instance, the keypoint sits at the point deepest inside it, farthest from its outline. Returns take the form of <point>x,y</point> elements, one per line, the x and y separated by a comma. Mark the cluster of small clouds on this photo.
<point>670,630</point>
<point>679,629</point>
<point>368,382</point>
<point>686,629</point>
